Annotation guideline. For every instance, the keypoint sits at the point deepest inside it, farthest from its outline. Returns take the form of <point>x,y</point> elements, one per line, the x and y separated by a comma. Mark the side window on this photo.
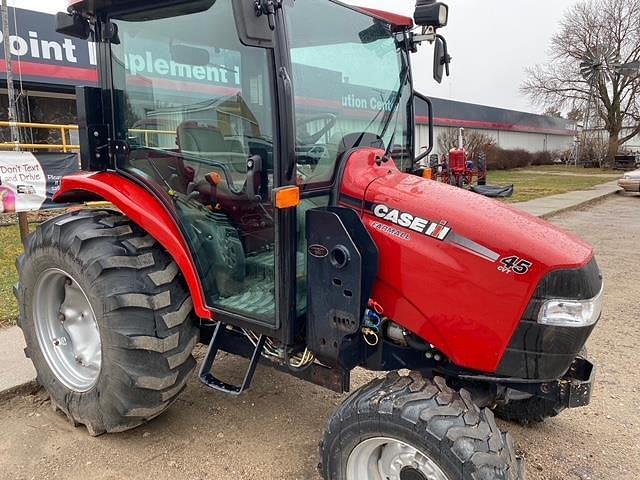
<point>351,87</point>
<point>197,106</point>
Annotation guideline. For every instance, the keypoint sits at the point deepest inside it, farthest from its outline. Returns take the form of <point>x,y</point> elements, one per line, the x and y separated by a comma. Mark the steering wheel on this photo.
<point>330,120</point>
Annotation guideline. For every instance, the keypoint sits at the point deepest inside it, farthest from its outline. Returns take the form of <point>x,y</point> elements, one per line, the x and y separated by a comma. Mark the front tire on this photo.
<point>532,410</point>
<point>405,427</point>
<point>95,288</point>
<point>529,411</point>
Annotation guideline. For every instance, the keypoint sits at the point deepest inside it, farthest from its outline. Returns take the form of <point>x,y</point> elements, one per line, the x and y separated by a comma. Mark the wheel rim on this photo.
<point>67,330</point>
<point>384,458</point>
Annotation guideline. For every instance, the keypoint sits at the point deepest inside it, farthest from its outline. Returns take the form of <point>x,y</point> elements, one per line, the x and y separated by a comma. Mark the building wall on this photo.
<point>633,144</point>
<point>531,142</point>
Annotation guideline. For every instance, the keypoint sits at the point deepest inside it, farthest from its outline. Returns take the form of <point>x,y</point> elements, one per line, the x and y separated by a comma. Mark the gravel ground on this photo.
<point>34,217</point>
<point>272,432</point>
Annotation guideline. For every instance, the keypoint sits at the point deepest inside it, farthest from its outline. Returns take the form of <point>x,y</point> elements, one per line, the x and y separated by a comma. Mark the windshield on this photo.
<point>352,87</point>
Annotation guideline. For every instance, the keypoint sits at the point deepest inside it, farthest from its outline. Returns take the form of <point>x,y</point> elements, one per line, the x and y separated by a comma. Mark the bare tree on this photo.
<point>594,150</point>
<point>553,111</point>
<point>474,141</point>
<point>575,115</point>
<point>594,26</point>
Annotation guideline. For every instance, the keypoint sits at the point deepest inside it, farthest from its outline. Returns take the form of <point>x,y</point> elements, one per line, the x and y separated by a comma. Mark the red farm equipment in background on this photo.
<point>459,167</point>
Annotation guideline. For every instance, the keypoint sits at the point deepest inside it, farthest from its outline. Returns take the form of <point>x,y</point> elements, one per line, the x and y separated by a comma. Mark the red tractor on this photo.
<point>458,168</point>
<point>265,217</point>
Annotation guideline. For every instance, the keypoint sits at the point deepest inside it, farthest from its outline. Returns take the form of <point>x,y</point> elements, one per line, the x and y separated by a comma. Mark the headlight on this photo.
<point>571,313</point>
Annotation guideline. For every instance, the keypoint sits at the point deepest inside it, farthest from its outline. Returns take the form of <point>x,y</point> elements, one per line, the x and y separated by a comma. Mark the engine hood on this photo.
<point>456,268</point>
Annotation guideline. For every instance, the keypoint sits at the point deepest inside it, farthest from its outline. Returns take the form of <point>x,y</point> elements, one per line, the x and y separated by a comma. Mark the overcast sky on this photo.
<point>491,42</point>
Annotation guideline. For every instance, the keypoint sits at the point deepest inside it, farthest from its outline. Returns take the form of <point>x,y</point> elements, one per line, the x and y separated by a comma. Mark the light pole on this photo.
<point>12,113</point>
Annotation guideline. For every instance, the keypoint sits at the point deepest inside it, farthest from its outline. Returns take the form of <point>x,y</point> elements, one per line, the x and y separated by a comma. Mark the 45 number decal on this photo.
<point>514,264</point>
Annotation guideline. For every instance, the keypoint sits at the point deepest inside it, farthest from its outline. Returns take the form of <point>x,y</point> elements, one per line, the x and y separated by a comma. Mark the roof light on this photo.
<point>430,13</point>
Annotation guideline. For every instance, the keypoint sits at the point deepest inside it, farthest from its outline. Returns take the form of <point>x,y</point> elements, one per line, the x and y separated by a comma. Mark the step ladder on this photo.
<point>206,374</point>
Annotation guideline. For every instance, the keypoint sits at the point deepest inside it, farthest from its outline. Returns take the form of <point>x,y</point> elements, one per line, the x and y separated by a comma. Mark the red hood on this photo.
<point>447,275</point>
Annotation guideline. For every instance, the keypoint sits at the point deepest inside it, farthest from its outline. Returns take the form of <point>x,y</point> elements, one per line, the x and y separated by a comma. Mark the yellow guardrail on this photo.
<point>146,133</point>
<point>64,130</point>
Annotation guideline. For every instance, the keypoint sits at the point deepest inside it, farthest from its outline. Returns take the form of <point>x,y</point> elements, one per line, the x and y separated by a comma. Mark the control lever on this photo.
<point>213,179</point>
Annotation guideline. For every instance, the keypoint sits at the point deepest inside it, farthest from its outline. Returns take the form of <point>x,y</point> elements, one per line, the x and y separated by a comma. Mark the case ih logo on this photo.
<point>431,229</point>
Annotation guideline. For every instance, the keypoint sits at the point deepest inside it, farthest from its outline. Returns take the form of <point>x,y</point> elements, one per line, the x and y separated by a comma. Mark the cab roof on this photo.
<point>401,22</point>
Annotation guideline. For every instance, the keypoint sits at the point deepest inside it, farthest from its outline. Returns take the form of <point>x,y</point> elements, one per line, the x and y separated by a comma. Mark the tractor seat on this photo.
<point>207,141</point>
<point>197,137</point>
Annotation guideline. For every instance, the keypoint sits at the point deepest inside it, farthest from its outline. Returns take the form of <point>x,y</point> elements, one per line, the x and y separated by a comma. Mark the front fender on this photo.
<point>138,204</point>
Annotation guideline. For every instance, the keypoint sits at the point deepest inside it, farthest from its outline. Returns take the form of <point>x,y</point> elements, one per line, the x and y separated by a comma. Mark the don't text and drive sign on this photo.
<point>29,181</point>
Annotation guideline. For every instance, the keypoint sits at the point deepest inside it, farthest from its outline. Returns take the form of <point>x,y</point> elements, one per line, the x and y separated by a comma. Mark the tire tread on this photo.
<point>150,318</point>
<point>442,416</point>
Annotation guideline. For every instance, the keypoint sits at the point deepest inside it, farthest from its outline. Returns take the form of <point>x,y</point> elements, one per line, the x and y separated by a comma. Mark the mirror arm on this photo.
<point>423,155</point>
<point>268,8</point>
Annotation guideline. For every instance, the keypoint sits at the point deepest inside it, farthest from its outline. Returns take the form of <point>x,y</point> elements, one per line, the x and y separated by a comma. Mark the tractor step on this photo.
<point>206,371</point>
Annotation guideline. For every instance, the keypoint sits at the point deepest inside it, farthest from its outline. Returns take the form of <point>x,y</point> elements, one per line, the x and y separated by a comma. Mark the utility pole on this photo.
<point>13,110</point>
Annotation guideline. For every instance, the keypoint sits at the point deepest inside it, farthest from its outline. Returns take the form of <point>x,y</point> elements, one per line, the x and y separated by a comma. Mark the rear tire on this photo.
<point>439,431</point>
<point>142,310</point>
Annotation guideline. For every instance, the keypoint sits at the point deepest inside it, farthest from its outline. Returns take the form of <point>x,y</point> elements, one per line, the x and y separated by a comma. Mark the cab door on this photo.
<point>198,109</point>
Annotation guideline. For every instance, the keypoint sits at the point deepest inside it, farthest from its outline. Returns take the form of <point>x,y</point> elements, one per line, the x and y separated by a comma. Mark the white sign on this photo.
<point>23,183</point>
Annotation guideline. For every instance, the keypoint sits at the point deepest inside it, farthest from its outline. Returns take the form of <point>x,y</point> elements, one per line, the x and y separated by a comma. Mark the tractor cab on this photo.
<point>219,107</point>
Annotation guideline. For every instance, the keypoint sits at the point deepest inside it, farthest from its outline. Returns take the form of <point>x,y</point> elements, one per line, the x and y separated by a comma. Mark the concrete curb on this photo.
<point>14,363</point>
<point>548,207</point>
<point>27,388</point>
<point>17,375</point>
<point>578,206</point>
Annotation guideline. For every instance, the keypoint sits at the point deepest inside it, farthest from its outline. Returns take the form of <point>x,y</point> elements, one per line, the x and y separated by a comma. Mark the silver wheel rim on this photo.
<point>383,458</point>
<point>67,330</point>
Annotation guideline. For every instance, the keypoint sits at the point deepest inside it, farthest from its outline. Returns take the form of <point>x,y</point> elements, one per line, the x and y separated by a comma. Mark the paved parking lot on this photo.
<point>273,431</point>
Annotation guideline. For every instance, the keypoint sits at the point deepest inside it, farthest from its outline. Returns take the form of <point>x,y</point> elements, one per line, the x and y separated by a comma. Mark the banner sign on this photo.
<point>29,181</point>
<point>41,55</point>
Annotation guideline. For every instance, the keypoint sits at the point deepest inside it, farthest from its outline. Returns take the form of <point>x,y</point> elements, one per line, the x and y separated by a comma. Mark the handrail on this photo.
<point>48,126</point>
<point>66,145</point>
<point>39,146</point>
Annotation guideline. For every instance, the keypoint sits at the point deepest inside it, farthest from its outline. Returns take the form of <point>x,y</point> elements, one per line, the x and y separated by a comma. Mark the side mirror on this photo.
<point>423,108</point>
<point>73,25</point>
<point>441,59</point>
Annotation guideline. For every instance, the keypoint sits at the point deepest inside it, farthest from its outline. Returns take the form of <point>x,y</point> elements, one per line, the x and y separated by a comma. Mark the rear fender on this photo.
<point>144,209</point>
